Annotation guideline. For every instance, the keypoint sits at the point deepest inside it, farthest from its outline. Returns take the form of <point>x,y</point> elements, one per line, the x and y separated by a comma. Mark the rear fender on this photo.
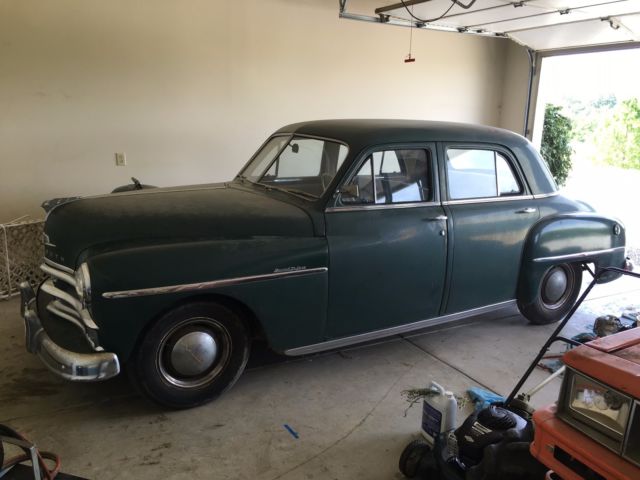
<point>582,237</point>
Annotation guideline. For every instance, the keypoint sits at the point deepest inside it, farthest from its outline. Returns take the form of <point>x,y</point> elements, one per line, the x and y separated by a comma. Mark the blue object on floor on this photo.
<point>483,398</point>
<point>293,433</point>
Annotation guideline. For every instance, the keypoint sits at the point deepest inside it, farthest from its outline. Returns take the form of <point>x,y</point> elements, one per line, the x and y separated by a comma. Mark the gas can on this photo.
<point>438,412</point>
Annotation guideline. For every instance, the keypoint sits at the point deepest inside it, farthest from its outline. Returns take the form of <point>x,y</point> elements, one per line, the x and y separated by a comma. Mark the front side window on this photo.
<point>475,173</point>
<point>390,177</point>
<point>299,165</point>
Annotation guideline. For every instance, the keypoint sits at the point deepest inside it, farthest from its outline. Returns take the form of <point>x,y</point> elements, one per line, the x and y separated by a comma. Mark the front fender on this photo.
<point>290,309</point>
<point>580,237</point>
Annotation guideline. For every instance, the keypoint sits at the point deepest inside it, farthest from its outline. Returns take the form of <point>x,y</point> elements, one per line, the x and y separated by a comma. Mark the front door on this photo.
<point>387,237</point>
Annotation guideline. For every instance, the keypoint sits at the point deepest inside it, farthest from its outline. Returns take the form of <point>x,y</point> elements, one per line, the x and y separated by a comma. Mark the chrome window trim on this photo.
<point>577,256</point>
<point>381,206</point>
<point>430,147</point>
<point>399,329</point>
<point>191,287</point>
<point>489,200</point>
<point>53,264</point>
<point>508,155</point>
<point>546,195</point>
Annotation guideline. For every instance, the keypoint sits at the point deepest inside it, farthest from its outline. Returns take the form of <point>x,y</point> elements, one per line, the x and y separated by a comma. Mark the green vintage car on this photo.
<point>334,233</point>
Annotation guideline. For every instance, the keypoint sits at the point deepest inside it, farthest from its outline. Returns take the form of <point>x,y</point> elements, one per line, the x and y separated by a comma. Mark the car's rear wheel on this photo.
<point>191,355</point>
<point>557,293</point>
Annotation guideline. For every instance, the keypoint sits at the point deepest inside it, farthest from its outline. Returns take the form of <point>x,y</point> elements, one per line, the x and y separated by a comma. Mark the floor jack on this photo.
<point>500,443</point>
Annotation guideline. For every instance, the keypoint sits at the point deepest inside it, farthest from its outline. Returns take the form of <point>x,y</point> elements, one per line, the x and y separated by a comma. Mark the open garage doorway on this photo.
<point>599,93</point>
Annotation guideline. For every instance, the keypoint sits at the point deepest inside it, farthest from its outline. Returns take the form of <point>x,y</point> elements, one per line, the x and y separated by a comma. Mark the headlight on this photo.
<point>607,408</point>
<point>83,283</point>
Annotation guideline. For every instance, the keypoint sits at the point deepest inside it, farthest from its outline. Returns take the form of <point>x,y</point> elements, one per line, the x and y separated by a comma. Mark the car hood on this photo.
<point>160,215</point>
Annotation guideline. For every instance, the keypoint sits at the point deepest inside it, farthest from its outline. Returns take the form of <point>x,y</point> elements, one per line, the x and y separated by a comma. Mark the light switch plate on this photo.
<point>121,160</point>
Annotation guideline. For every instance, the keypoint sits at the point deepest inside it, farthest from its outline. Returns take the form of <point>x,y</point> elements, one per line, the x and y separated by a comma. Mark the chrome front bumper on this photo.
<point>65,363</point>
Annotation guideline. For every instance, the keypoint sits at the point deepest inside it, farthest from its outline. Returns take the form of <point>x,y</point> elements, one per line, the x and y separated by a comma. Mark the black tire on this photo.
<point>557,293</point>
<point>163,368</point>
<point>411,457</point>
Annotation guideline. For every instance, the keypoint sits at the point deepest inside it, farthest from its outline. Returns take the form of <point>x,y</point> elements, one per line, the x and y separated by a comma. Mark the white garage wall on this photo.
<point>188,89</point>
<point>514,93</point>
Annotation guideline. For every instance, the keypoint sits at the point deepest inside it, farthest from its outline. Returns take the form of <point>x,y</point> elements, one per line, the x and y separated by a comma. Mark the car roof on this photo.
<point>379,131</point>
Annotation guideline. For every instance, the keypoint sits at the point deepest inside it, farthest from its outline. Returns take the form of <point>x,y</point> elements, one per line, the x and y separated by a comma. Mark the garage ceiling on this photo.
<point>538,24</point>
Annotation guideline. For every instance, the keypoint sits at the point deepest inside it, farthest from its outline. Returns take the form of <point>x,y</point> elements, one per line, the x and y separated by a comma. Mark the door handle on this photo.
<point>527,210</point>
<point>439,218</point>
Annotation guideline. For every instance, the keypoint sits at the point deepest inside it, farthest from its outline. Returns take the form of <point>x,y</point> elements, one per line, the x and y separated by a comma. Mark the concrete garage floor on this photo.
<point>346,406</point>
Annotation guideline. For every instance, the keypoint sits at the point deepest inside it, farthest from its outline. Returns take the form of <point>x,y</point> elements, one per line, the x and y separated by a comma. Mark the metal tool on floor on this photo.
<point>500,443</point>
<point>31,464</point>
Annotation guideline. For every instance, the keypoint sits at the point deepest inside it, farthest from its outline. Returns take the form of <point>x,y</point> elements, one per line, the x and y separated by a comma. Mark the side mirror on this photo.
<point>295,148</point>
<point>349,193</point>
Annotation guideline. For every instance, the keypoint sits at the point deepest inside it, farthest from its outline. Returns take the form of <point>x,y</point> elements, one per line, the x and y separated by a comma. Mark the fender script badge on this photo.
<point>289,269</point>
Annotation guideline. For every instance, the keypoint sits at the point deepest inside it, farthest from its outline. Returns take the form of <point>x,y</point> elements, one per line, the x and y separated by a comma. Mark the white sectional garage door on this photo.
<point>539,24</point>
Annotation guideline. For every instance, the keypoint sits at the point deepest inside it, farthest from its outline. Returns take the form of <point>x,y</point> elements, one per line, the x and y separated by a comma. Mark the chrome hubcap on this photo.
<point>194,353</point>
<point>555,286</point>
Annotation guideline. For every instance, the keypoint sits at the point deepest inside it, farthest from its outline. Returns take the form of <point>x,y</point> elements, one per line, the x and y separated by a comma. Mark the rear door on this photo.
<point>387,242</point>
<point>491,211</point>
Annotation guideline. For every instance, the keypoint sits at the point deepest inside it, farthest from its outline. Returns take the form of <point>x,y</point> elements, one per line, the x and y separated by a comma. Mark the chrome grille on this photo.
<point>67,304</point>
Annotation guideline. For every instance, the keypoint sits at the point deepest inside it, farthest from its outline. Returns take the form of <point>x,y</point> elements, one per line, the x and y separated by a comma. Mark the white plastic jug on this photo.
<point>438,413</point>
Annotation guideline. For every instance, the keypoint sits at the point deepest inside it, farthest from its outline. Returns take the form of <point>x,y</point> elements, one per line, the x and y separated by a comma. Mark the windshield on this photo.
<point>299,165</point>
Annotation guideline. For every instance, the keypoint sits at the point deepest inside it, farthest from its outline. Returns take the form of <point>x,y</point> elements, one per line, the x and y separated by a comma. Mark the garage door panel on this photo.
<point>593,32</point>
<point>538,24</point>
<point>555,18</point>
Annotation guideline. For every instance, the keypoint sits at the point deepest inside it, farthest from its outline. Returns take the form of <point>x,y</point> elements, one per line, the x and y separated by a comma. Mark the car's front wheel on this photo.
<point>191,355</point>
<point>557,293</point>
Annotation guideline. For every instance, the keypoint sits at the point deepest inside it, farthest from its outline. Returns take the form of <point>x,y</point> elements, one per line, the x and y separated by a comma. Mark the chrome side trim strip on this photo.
<point>191,287</point>
<point>577,256</point>
<point>387,332</point>
<point>546,195</point>
<point>382,206</point>
<point>488,200</point>
<point>53,264</point>
<point>54,272</point>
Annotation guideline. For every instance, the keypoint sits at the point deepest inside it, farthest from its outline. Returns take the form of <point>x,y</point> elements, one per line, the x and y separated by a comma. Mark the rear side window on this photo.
<point>476,173</point>
<point>393,176</point>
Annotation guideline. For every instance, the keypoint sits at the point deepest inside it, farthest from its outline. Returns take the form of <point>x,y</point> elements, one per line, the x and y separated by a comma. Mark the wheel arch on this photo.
<point>569,238</point>
<point>246,314</point>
